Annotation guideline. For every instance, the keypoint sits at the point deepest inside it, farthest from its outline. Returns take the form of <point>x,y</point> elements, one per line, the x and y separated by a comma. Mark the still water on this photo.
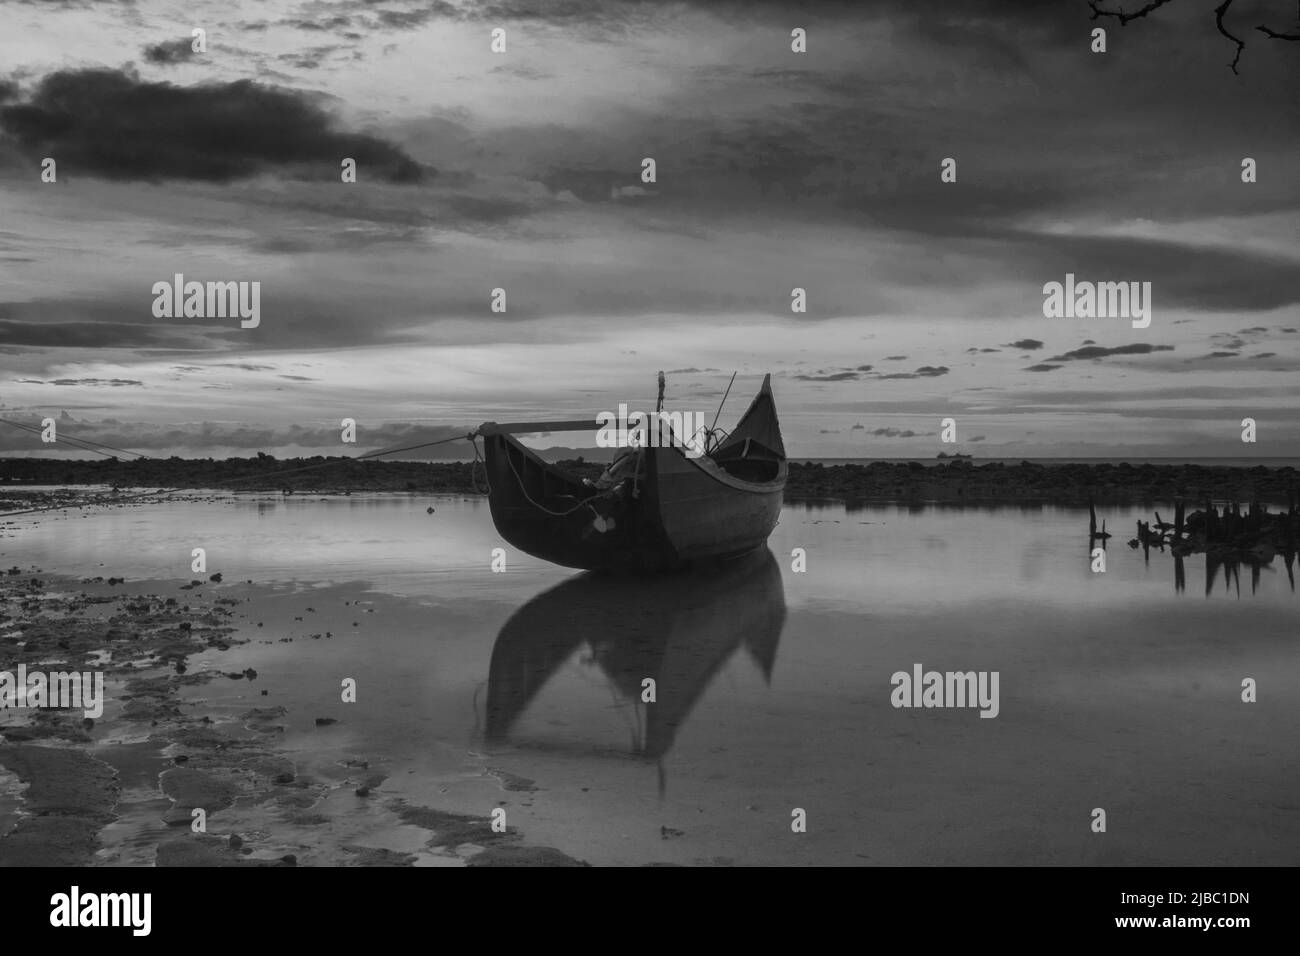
<point>1119,690</point>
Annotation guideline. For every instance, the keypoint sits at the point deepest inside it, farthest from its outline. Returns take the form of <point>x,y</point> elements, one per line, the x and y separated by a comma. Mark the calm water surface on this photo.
<point>1118,690</point>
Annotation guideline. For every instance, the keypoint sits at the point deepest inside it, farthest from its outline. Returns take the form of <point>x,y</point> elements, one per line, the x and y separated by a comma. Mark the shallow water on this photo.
<point>773,687</point>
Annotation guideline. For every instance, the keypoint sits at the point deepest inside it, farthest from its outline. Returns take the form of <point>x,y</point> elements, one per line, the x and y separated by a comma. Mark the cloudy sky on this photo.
<point>775,169</point>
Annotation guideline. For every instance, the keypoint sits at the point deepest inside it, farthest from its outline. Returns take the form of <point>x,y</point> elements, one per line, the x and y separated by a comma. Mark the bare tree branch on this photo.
<point>1278,36</point>
<point>1281,36</point>
<point>1219,11</point>
<point>1120,15</point>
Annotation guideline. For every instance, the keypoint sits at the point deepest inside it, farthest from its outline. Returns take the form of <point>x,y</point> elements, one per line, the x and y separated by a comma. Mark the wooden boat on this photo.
<point>673,510</point>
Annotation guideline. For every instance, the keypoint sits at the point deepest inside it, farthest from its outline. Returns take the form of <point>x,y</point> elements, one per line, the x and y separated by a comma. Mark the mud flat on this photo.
<point>125,788</point>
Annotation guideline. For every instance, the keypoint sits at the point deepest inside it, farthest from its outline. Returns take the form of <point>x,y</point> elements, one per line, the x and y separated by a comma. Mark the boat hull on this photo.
<point>685,510</point>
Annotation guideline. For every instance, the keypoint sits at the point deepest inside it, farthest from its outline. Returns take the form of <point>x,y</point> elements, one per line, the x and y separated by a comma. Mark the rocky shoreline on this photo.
<point>154,754</point>
<point>952,480</point>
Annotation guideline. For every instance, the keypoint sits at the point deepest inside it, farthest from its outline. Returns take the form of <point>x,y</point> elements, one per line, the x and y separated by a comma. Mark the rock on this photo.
<point>523,856</point>
<point>193,789</point>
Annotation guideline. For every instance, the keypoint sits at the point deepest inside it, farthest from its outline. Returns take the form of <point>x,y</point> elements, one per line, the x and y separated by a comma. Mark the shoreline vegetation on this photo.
<point>952,480</point>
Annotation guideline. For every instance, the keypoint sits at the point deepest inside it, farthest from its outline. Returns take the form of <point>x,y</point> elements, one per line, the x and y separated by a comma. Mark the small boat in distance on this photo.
<point>655,508</point>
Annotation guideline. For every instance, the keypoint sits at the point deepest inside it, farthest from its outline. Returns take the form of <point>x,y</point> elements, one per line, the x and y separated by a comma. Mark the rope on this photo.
<point>487,479</point>
<point>83,444</point>
<point>542,507</point>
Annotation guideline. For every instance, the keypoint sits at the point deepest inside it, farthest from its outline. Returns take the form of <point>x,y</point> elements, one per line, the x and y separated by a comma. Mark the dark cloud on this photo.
<point>833,377</point>
<point>417,17</point>
<point>925,371</point>
<point>1227,340</point>
<point>1201,278</point>
<point>112,124</point>
<point>1027,345</point>
<point>325,24</point>
<point>894,432</point>
<point>170,52</point>
<point>1043,367</point>
<point>1098,351</point>
<point>27,328</point>
<point>97,382</point>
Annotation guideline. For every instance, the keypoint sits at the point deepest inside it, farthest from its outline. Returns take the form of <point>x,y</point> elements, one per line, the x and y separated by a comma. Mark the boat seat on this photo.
<point>748,449</point>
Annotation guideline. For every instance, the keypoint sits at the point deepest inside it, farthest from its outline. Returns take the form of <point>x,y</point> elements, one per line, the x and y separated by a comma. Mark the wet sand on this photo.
<point>158,753</point>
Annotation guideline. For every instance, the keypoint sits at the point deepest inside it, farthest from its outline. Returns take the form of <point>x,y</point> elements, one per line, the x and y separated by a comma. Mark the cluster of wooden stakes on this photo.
<point>1227,536</point>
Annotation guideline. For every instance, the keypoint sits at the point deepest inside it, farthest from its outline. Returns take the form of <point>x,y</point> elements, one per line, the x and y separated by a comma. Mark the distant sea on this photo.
<point>1293,462</point>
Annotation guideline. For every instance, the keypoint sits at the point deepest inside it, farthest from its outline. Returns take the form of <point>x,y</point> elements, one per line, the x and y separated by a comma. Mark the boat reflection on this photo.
<point>678,629</point>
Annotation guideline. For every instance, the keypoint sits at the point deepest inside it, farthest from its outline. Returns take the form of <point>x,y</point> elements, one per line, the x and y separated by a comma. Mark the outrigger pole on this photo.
<point>524,428</point>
